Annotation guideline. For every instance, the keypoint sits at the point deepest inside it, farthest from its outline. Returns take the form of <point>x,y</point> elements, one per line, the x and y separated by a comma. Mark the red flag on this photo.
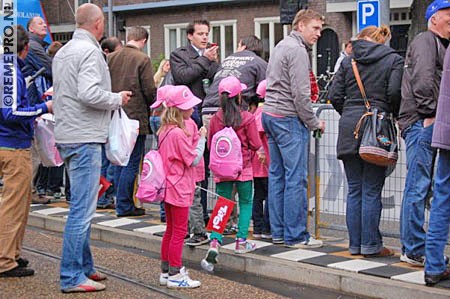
<point>103,186</point>
<point>220,215</point>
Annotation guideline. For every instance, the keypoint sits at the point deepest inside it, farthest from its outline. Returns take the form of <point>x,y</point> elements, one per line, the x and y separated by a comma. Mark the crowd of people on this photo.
<point>192,99</point>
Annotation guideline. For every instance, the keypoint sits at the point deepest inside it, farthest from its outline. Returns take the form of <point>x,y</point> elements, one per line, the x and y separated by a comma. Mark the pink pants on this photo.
<point>173,239</point>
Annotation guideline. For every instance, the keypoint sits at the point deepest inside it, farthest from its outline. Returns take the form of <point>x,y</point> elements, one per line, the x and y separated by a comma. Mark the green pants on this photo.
<point>245,191</point>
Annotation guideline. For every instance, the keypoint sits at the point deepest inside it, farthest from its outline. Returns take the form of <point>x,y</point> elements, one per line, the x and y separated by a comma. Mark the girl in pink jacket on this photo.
<point>180,156</point>
<point>243,123</point>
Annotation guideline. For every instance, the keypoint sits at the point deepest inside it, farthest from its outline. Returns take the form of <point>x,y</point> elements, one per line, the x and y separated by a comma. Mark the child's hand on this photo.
<point>261,158</point>
<point>203,131</point>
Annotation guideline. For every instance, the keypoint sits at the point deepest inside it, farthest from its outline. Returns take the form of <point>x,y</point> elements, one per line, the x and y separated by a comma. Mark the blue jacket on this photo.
<point>17,117</point>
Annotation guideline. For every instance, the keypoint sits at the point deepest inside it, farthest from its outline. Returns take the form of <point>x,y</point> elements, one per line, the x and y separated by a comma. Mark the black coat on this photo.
<point>188,68</point>
<point>381,72</point>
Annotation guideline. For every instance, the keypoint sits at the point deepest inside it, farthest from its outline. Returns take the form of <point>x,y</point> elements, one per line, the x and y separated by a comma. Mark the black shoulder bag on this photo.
<point>379,144</point>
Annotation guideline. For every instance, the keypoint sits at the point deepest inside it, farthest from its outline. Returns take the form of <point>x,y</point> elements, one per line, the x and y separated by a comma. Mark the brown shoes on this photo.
<point>384,252</point>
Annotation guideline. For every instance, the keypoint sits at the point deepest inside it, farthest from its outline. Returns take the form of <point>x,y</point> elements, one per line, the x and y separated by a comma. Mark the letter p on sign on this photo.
<point>368,13</point>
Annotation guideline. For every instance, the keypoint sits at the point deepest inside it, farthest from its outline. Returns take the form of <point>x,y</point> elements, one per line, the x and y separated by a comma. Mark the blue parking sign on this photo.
<point>368,13</point>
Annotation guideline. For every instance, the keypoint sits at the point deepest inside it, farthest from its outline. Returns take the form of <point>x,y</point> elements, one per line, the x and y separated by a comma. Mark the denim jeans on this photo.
<point>83,163</point>
<point>107,171</point>
<point>124,176</point>
<point>261,223</point>
<point>419,158</point>
<point>439,217</point>
<point>365,183</point>
<point>288,202</point>
<point>155,123</point>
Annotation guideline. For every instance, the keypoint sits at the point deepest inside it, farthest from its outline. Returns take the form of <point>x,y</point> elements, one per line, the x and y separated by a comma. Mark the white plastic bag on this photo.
<point>122,136</point>
<point>45,141</point>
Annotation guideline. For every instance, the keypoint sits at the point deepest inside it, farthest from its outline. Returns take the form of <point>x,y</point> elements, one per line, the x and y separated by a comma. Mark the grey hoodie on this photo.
<point>288,84</point>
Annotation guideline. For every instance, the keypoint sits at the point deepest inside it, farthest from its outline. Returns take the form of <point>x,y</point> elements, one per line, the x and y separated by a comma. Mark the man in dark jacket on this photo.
<point>38,58</point>
<point>16,131</point>
<point>191,64</point>
<point>420,91</point>
<point>48,179</point>
<point>245,64</point>
<point>131,69</point>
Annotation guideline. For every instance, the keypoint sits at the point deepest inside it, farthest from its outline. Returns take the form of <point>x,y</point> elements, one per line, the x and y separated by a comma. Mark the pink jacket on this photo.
<point>178,153</point>
<point>248,135</point>
<point>260,170</point>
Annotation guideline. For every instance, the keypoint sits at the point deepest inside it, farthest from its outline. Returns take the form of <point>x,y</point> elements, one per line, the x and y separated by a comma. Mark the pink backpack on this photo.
<point>226,155</point>
<point>152,184</point>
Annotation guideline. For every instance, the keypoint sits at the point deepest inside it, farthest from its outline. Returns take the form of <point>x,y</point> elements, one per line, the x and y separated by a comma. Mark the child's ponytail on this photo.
<point>231,110</point>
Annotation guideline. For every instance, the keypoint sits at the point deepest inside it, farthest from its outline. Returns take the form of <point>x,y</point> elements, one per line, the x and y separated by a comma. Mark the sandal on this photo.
<point>384,252</point>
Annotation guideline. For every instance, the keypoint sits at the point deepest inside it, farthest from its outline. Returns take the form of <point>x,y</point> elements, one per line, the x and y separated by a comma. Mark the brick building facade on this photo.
<point>230,19</point>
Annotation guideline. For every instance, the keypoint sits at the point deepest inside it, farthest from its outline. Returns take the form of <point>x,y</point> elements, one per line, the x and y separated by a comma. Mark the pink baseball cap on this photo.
<point>161,95</point>
<point>261,89</point>
<point>232,86</point>
<point>181,96</point>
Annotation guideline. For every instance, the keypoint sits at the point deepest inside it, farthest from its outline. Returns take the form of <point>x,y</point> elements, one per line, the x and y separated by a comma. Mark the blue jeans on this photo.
<point>419,158</point>
<point>439,217</point>
<point>124,176</point>
<point>83,163</point>
<point>108,172</point>
<point>288,202</point>
<point>155,123</point>
<point>365,183</point>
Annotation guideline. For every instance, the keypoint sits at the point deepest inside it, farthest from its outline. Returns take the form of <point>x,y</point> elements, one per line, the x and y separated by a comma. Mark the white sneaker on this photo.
<point>266,236</point>
<point>413,260</point>
<point>311,243</point>
<point>243,246</point>
<point>182,281</point>
<point>163,277</point>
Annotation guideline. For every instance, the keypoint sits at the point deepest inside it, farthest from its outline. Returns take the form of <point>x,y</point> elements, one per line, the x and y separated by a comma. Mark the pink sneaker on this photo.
<point>243,246</point>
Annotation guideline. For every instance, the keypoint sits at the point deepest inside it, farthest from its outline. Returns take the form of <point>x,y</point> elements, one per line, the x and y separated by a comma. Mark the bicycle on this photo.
<point>324,81</point>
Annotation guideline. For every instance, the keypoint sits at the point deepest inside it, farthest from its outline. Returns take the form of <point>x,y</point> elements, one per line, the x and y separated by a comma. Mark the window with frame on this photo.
<point>223,33</point>
<point>175,36</point>
<point>147,47</point>
<point>81,2</point>
<point>271,32</point>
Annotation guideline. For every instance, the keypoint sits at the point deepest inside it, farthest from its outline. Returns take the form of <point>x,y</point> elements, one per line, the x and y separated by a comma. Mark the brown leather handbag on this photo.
<point>379,143</point>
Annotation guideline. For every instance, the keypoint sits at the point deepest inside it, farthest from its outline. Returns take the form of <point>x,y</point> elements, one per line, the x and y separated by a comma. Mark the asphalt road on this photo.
<point>141,266</point>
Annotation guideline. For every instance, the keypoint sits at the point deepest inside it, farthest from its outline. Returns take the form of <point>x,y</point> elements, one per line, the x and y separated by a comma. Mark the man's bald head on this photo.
<point>90,17</point>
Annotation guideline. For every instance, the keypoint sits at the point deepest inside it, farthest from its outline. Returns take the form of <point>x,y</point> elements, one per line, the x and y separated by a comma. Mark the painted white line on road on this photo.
<point>51,211</point>
<point>119,222</point>
<point>356,265</point>
<point>151,229</point>
<point>298,255</point>
<point>417,277</point>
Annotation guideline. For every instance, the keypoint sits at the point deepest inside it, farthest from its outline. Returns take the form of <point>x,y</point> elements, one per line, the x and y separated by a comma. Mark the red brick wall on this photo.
<point>244,14</point>
<point>59,12</point>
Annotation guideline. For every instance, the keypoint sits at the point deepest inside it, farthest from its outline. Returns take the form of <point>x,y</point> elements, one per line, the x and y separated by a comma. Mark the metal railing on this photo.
<point>331,185</point>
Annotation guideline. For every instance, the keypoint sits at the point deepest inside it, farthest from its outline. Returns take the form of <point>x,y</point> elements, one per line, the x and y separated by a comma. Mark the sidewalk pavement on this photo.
<point>330,267</point>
